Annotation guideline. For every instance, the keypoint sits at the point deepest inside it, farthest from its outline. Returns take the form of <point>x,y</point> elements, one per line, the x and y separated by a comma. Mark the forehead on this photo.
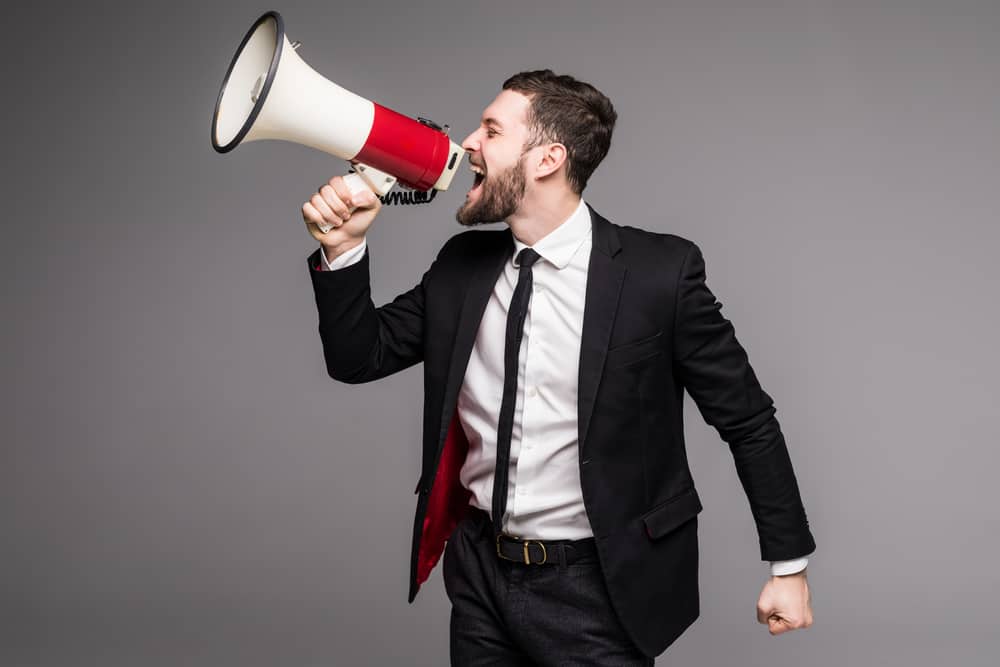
<point>509,109</point>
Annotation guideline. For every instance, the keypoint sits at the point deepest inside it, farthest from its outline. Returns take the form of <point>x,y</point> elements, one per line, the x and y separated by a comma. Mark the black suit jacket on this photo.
<point>651,330</point>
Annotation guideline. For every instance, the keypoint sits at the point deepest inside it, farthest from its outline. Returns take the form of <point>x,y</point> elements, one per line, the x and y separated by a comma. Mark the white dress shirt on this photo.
<point>545,497</point>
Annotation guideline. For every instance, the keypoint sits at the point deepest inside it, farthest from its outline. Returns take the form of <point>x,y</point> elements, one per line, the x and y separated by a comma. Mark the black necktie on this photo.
<point>515,331</point>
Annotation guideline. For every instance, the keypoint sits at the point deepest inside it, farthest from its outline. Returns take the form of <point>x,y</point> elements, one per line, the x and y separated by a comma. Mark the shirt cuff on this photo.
<point>782,567</point>
<point>352,256</point>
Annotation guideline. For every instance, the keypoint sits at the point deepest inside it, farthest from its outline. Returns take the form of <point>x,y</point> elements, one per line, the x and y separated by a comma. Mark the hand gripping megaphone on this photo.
<point>269,92</point>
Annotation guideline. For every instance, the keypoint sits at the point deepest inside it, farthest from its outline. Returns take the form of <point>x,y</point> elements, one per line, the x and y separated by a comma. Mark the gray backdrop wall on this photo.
<point>181,483</point>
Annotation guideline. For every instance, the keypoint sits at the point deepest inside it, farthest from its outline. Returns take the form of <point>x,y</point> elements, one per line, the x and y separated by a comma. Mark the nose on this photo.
<point>471,142</point>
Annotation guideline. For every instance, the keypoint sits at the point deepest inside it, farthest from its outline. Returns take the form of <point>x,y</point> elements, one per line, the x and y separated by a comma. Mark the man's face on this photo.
<point>497,157</point>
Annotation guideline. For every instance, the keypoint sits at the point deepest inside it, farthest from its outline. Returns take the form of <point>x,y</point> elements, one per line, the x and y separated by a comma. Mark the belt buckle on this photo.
<point>527,555</point>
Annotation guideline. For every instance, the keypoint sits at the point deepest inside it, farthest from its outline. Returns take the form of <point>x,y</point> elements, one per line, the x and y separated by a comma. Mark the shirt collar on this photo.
<point>558,246</point>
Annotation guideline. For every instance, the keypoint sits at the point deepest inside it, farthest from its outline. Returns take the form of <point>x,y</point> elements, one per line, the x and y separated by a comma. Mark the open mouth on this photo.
<point>478,177</point>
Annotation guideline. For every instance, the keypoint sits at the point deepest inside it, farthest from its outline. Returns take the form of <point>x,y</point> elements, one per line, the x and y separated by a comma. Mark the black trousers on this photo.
<point>509,613</point>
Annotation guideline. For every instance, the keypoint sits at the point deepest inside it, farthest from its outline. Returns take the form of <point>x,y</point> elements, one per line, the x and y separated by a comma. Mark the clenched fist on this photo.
<point>785,603</point>
<point>349,213</point>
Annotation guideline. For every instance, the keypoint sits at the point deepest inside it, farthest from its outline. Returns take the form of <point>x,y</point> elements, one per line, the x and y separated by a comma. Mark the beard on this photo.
<point>500,197</point>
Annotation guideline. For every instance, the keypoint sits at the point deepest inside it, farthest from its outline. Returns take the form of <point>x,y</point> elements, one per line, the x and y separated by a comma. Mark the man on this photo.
<point>556,352</point>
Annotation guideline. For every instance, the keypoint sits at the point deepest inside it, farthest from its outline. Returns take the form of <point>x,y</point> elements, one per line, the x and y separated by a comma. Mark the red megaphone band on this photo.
<point>415,153</point>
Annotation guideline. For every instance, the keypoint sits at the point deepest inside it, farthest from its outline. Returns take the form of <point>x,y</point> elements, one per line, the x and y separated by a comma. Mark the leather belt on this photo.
<point>545,552</point>
<point>534,552</point>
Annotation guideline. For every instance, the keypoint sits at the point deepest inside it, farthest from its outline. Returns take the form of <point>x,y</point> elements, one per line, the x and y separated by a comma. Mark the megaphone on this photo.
<point>269,92</point>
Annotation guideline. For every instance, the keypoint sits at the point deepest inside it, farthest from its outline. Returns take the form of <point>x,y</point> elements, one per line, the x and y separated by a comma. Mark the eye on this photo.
<point>490,132</point>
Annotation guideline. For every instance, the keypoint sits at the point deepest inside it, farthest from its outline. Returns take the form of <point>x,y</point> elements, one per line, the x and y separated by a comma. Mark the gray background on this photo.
<point>181,483</point>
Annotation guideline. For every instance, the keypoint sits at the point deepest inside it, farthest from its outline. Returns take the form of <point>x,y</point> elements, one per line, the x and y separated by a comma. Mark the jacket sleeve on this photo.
<point>362,343</point>
<point>715,371</point>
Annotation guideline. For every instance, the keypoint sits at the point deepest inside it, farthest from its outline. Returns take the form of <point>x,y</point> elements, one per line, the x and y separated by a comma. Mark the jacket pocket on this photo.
<point>636,350</point>
<point>671,514</point>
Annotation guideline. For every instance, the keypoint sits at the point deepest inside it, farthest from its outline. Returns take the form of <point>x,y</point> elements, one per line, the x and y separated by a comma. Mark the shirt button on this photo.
<point>538,288</point>
<point>521,491</point>
<point>532,392</point>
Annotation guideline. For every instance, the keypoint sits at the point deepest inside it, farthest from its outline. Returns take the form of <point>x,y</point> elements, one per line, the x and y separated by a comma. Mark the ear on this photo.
<point>553,157</point>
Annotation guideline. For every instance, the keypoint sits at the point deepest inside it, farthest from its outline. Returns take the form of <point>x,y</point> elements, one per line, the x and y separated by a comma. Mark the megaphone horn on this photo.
<point>269,92</point>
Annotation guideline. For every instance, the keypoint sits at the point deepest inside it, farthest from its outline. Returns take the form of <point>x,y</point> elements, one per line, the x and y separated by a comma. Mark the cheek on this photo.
<point>498,161</point>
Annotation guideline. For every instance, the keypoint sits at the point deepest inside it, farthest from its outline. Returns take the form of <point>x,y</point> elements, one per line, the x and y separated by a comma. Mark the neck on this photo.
<point>538,215</point>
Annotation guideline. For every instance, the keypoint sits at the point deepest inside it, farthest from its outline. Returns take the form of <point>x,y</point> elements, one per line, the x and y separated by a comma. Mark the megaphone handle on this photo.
<point>365,178</point>
<point>375,180</point>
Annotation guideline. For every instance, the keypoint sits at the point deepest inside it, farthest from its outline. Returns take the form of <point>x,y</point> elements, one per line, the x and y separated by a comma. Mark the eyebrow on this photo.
<point>492,121</point>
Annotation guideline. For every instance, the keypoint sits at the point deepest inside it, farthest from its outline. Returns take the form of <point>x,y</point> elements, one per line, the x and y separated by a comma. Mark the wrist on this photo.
<point>333,251</point>
<point>790,575</point>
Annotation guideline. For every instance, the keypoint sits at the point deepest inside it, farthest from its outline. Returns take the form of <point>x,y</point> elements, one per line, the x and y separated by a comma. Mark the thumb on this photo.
<point>364,199</point>
<point>776,625</point>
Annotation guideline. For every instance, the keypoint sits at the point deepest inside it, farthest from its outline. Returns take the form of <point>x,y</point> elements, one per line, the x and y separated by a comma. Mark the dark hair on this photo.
<point>569,112</point>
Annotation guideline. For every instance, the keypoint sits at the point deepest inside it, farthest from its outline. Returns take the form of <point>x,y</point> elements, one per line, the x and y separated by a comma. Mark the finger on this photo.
<point>365,199</point>
<point>324,209</point>
<point>336,203</point>
<point>762,616</point>
<point>313,219</point>
<point>310,214</point>
<point>777,625</point>
<point>794,622</point>
<point>343,192</point>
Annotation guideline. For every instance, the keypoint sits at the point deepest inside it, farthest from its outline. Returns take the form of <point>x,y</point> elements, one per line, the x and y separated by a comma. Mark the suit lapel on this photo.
<point>604,282</point>
<point>484,276</point>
